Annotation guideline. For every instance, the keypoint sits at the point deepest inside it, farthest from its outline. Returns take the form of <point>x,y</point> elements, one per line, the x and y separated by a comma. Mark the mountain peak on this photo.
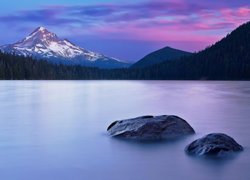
<point>43,34</point>
<point>41,28</point>
<point>43,44</point>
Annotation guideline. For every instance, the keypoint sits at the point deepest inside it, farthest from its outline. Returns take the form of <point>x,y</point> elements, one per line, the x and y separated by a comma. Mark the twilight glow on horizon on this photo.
<point>127,30</point>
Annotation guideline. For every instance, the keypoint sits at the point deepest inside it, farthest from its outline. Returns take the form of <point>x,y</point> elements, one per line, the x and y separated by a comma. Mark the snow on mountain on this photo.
<point>43,44</point>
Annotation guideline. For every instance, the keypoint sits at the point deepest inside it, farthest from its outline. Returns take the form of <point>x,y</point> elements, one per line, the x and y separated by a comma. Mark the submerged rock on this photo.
<point>215,144</point>
<point>150,127</point>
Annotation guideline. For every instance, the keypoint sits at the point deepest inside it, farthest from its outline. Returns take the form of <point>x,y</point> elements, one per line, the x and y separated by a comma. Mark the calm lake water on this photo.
<point>56,130</point>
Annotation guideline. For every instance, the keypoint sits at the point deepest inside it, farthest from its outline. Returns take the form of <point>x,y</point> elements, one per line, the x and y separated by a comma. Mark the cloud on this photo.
<point>153,20</point>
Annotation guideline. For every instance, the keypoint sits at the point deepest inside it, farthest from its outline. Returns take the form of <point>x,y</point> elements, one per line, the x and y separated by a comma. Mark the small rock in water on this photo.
<point>151,127</point>
<point>215,144</point>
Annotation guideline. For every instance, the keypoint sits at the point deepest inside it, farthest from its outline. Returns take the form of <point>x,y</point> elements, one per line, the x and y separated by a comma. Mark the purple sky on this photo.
<point>126,30</point>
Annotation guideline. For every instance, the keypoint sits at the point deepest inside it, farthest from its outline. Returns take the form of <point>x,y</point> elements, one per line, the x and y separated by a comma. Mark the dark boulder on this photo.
<point>150,127</point>
<point>215,144</point>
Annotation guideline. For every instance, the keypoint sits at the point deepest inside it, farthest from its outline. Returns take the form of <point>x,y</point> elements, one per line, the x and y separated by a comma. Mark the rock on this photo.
<point>150,127</point>
<point>215,144</point>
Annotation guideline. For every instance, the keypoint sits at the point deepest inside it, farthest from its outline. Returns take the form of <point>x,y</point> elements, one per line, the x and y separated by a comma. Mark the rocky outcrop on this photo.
<point>215,144</point>
<point>151,127</point>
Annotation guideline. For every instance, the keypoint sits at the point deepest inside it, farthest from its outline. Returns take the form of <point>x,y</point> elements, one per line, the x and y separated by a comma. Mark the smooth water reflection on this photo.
<point>57,129</point>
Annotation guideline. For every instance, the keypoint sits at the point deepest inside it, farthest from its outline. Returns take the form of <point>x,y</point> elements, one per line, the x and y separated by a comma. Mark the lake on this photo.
<point>56,130</point>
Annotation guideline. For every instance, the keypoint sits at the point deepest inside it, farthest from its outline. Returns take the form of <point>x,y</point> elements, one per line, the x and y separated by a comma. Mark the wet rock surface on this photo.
<point>151,127</point>
<point>215,144</point>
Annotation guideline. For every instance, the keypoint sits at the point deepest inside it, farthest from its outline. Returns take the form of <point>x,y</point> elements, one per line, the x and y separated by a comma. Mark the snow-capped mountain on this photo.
<point>42,44</point>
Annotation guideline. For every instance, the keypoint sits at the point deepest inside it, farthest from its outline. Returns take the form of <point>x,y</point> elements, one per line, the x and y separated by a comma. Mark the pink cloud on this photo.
<point>152,20</point>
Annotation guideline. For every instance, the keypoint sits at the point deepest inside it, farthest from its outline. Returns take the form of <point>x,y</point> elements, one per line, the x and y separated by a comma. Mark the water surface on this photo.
<point>56,130</point>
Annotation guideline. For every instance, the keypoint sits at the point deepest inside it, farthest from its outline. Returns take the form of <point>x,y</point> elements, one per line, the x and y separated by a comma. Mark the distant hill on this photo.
<point>161,55</point>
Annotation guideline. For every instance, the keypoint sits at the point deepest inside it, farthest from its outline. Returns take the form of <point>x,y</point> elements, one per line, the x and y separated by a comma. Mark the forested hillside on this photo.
<point>227,59</point>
